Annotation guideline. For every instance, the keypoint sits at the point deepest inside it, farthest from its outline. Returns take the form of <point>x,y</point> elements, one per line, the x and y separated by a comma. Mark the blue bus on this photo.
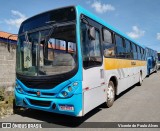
<point>69,61</point>
<point>152,60</point>
<point>158,60</point>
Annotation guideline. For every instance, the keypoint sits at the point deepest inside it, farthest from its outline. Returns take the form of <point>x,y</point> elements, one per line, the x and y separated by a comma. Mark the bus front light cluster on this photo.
<point>68,91</point>
<point>64,93</point>
<point>69,88</point>
<point>19,89</point>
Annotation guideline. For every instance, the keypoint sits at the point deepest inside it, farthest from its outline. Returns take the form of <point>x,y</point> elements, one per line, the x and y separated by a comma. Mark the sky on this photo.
<point>138,19</point>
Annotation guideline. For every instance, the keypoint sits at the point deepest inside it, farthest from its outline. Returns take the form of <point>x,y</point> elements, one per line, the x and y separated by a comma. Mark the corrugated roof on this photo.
<point>6,35</point>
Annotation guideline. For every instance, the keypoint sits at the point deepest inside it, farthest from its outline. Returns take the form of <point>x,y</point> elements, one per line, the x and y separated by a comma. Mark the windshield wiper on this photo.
<point>49,22</point>
<point>53,27</point>
<point>56,25</point>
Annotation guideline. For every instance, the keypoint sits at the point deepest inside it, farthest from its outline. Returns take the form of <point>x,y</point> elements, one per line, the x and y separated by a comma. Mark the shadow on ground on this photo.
<point>64,120</point>
<point>57,119</point>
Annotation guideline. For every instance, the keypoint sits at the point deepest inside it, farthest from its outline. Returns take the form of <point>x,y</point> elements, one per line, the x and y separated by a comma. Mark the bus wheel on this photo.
<point>16,108</point>
<point>156,69</point>
<point>140,79</point>
<point>148,73</point>
<point>110,94</point>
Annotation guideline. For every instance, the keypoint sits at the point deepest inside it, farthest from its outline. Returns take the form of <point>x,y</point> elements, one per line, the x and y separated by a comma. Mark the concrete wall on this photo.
<point>7,66</point>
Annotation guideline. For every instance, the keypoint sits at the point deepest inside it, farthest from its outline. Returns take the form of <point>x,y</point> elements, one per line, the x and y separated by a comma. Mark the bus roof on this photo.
<point>102,22</point>
<point>81,10</point>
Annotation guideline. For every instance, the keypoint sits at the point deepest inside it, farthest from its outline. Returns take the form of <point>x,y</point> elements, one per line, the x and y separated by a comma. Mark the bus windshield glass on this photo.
<point>47,52</point>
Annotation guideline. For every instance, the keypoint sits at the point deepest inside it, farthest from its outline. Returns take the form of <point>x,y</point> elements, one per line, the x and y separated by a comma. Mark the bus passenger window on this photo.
<point>135,57</point>
<point>107,36</point>
<point>120,49</point>
<point>139,53</point>
<point>109,52</point>
<point>109,48</point>
<point>128,49</point>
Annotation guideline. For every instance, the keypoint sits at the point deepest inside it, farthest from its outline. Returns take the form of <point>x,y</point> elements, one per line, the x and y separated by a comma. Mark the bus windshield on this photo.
<point>47,52</point>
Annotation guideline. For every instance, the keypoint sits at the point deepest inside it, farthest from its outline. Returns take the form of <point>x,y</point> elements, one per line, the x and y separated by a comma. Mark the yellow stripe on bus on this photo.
<point>112,63</point>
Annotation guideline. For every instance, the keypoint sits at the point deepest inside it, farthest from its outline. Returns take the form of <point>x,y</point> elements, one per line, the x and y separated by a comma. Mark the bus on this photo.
<point>69,61</point>
<point>152,60</point>
<point>158,60</point>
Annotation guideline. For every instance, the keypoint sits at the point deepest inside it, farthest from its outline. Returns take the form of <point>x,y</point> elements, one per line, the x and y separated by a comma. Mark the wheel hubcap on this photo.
<point>110,93</point>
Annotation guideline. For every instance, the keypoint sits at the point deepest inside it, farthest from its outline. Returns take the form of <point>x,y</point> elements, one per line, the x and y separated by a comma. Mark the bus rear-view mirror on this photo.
<point>92,33</point>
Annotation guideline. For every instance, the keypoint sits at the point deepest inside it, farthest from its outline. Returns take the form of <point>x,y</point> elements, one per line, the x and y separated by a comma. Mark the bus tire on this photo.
<point>16,108</point>
<point>140,79</point>
<point>149,72</point>
<point>156,69</point>
<point>110,94</point>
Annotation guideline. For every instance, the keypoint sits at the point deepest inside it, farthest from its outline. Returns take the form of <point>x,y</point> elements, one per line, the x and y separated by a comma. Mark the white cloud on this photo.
<point>136,32</point>
<point>18,20</point>
<point>102,8</point>
<point>158,36</point>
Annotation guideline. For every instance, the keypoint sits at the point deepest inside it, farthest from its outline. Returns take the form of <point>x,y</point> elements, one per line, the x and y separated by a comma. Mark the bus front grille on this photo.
<point>43,93</point>
<point>40,103</point>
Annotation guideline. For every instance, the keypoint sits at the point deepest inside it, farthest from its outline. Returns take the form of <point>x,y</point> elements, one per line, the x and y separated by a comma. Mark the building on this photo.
<point>7,59</point>
<point>5,37</point>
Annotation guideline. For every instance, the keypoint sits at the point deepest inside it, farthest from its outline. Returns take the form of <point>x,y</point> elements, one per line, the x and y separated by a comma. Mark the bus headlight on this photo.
<point>75,84</point>
<point>64,93</point>
<point>19,89</point>
<point>69,88</point>
<point>68,91</point>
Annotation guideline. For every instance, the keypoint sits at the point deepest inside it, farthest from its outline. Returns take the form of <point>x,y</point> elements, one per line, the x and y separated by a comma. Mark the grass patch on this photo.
<point>6,102</point>
<point>1,94</point>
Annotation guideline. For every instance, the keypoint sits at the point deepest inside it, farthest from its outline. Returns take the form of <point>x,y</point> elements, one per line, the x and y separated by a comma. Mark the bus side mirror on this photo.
<point>92,33</point>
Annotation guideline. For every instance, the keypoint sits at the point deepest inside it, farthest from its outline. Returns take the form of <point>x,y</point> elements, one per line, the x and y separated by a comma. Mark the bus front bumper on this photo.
<point>69,106</point>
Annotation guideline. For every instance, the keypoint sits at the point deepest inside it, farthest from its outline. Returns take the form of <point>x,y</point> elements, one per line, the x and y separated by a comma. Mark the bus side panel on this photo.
<point>93,89</point>
<point>124,83</point>
<point>126,72</point>
<point>94,97</point>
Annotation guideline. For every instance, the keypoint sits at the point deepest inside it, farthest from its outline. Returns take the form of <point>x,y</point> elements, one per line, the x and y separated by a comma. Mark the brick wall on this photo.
<point>7,66</point>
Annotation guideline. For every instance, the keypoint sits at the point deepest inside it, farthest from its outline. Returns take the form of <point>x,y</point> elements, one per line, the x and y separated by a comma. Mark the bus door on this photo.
<point>93,73</point>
